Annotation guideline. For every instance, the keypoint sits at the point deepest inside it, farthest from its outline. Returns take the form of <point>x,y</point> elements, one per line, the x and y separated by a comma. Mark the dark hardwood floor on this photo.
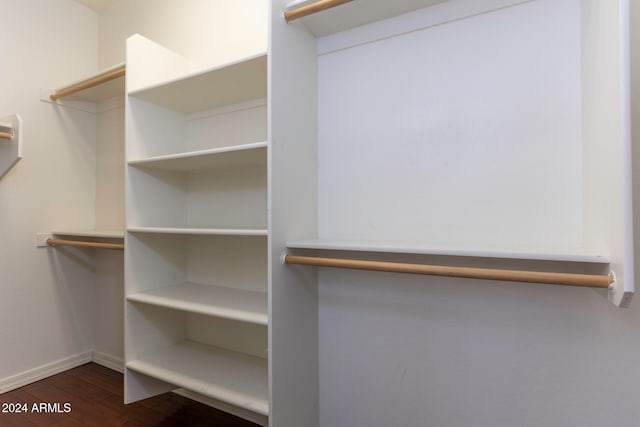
<point>95,395</point>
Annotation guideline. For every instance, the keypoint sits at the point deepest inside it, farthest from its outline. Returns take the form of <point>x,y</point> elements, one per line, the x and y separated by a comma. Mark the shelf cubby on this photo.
<point>229,197</point>
<point>168,260</point>
<point>228,376</point>
<point>218,358</point>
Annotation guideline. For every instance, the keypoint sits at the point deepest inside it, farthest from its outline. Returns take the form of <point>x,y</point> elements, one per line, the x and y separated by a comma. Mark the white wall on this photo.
<point>206,31</point>
<point>394,352</point>
<point>44,312</point>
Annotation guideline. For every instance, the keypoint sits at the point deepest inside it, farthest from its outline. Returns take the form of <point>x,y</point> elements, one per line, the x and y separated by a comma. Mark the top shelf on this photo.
<point>355,13</point>
<point>232,83</point>
<point>361,12</point>
<point>105,84</point>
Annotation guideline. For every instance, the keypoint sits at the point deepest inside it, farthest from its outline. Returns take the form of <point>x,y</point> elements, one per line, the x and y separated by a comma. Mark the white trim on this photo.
<point>44,371</point>
<point>112,362</point>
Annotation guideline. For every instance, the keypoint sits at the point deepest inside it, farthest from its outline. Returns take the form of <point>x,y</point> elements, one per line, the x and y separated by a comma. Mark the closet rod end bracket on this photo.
<point>41,239</point>
<point>612,285</point>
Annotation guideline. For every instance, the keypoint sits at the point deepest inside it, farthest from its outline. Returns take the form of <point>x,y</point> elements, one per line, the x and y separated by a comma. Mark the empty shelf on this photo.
<point>356,13</point>
<point>538,254</point>
<point>236,304</point>
<point>231,83</point>
<point>231,377</point>
<point>204,231</point>
<point>103,234</point>
<point>227,157</point>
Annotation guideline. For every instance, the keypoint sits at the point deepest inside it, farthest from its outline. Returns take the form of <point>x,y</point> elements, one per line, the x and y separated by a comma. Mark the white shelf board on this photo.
<point>221,231</point>
<point>236,304</point>
<point>104,234</point>
<point>356,13</point>
<point>101,92</point>
<point>537,254</point>
<point>231,83</point>
<point>231,377</point>
<point>227,157</point>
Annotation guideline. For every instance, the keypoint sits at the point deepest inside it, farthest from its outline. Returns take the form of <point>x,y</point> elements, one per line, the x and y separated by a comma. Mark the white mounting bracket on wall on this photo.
<point>10,142</point>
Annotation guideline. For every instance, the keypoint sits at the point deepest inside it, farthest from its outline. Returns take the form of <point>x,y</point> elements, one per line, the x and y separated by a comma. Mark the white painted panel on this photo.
<point>472,136</point>
<point>154,261</point>
<point>232,261</point>
<point>156,198</point>
<point>243,337</point>
<point>152,130</point>
<point>293,312</point>
<point>228,198</point>
<point>607,142</point>
<point>239,124</point>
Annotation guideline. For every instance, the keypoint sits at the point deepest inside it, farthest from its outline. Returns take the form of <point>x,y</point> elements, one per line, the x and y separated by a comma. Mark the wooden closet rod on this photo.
<point>94,81</point>
<point>76,243</point>
<point>6,135</point>
<point>586,280</point>
<point>312,8</point>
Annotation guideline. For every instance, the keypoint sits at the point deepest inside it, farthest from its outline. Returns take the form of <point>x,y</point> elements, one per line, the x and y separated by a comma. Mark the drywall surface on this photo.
<point>45,310</point>
<point>209,32</point>
<point>414,351</point>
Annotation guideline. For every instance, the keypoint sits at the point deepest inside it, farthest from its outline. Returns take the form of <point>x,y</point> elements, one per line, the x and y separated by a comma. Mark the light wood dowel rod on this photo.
<point>5,135</point>
<point>95,81</point>
<point>312,8</point>
<point>586,280</point>
<point>76,243</point>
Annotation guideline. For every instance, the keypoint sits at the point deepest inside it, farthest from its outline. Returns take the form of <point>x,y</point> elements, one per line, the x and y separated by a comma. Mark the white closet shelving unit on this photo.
<point>196,261</point>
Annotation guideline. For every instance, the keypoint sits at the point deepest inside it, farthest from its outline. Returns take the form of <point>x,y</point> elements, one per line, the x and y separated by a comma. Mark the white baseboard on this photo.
<point>109,361</point>
<point>44,371</point>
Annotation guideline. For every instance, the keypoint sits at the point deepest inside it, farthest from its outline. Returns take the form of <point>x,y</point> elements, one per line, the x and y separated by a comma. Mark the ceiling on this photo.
<point>97,5</point>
